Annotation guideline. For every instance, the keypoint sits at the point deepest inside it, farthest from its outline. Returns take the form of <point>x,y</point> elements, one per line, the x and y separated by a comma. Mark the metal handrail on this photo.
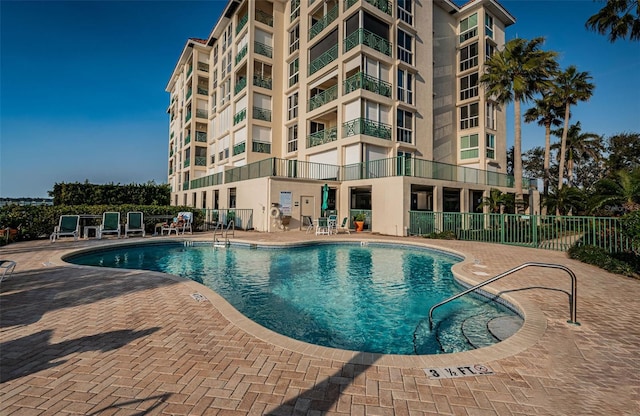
<point>572,295</point>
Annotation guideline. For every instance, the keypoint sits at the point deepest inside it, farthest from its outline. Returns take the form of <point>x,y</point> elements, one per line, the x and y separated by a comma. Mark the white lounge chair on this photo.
<point>135,223</point>
<point>110,224</point>
<point>68,225</point>
<point>7,267</point>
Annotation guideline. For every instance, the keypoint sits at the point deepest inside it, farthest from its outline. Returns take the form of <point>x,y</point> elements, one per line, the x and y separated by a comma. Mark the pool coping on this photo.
<point>533,328</point>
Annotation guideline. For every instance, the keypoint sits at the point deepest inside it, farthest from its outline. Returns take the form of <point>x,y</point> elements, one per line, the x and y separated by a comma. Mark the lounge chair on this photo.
<point>322,226</point>
<point>68,225</point>
<point>309,223</point>
<point>344,226</point>
<point>332,224</point>
<point>180,224</point>
<point>135,223</point>
<point>7,267</point>
<point>110,224</point>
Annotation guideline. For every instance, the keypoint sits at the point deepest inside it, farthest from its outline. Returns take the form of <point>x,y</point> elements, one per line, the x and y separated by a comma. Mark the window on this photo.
<point>215,54</point>
<point>469,146</point>
<point>469,27</point>
<point>490,49</point>
<point>229,61</point>
<point>491,115</point>
<point>214,102</point>
<point>488,25</point>
<point>405,126</point>
<point>491,145</point>
<point>295,9</point>
<point>224,66</point>
<point>404,11</point>
<point>469,116</point>
<point>294,39</point>
<point>405,86</point>
<point>292,138</point>
<point>405,47</point>
<point>294,69</point>
<point>225,92</point>
<point>469,56</point>
<point>227,38</point>
<point>469,86</point>
<point>292,106</point>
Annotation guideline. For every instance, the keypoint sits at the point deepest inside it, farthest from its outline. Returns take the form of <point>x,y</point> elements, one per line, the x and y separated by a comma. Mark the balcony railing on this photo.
<point>209,180</point>
<point>239,116</point>
<point>186,163</point>
<point>203,66</point>
<point>323,60</point>
<point>200,113</point>
<point>201,136</point>
<point>187,117</point>
<point>185,186</point>
<point>189,71</point>
<point>242,23</point>
<point>367,82</point>
<point>322,98</point>
<point>203,91</point>
<point>265,18</point>
<point>370,39</point>
<point>322,137</point>
<point>201,161</point>
<point>260,81</point>
<point>383,5</point>
<point>263,49</point>
<point>366,127</point>
<point>189,93</point>
<point>242,82</point>
<point>170,171</point>
<point>239,148</point>
<point>260,147</point>
<point>187,140</point>
<point>325,21</point>
<point>349,3</point>
<point>261,114</point>
<point>242,53</point>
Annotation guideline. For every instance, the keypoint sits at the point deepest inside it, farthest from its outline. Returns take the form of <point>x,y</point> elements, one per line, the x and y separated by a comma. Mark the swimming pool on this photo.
<point>372,298</point>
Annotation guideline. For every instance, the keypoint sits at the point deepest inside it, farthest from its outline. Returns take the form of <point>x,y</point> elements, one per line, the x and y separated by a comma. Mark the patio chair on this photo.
<point>332,224</point>
<point>68,225</point>
<point>308,221</point>
<point>7,267</point>
<point>322,226</point>
<point>179,225</point>
<point>110,223</point>
<point>135,223</point>
<point>344,226</point>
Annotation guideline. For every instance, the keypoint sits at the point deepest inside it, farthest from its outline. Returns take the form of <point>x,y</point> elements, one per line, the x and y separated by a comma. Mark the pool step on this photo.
<point>476,331</point>
<point>503,327</point>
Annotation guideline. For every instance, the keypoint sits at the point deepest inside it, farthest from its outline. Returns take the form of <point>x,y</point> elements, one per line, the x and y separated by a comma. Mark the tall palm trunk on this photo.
<point>563,149</point>
<point>517,155</point>
<point>547,162</point>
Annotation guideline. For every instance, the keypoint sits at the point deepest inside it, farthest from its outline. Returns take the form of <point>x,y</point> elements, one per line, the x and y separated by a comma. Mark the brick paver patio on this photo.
<point>90,341</point>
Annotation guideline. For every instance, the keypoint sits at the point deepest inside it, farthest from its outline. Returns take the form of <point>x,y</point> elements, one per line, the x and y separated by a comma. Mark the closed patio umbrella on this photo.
<point>325,198</point>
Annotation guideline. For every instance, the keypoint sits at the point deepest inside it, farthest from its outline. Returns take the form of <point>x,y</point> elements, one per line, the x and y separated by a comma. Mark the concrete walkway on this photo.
<point>91,341</point>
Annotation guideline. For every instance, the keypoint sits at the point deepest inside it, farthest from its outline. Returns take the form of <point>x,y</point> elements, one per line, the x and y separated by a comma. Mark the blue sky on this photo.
<point>82,83</point>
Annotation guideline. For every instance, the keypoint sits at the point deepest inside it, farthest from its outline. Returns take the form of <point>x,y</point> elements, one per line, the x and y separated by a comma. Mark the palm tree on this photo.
<point>580,147</point>
<point>619,17</point>
<point>547,114</point>
<point>496,201</point>
<point>566,200</point>
<point>571,86</point>
<point>623,190</point>
<point>516,74</point>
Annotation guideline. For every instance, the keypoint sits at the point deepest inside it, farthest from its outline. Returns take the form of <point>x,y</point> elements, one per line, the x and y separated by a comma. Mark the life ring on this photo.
<point>275,212</point>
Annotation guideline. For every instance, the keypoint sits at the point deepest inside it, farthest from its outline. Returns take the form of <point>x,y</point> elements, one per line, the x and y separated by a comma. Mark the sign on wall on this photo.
<point>285,203</point>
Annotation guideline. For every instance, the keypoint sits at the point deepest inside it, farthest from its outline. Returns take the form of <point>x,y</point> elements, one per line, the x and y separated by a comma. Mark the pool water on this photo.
<point>373,298</point>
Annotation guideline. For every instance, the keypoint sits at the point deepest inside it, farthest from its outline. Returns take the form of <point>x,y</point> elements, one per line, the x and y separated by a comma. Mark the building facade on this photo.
<point>378,99</point>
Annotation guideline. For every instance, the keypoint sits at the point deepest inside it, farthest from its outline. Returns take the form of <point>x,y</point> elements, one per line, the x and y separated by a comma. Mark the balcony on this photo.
<point>262,49</point>
<point>242,23</point>
<point>325,21</point>
<point>170,171</point>
<point>202,91</point>
<point>186,163</point>
<point>203,66</point>
<point>187,117</point>
<point>367,82</point>
<point>322,98</point>
<point>370,39</point>
<point>265,18</point>
<point>202,113</point>
<point>201,136</point>
<point>261,114</point>
<point>189,71</point>
<point>322,137</point>
<point>239,148</point>
<point>366,127</point>
<point>349,3</point>
<point>242,82</point>
<point>383,5</point>
<point>189,93</point>
<point>201,161</point>
<point>323,60</point>
<point>263,82</point>
<point>242,53</point>
<point>185,186</point>
<point>260,147</point>
<point>187,140</point>
<point>239,116</point>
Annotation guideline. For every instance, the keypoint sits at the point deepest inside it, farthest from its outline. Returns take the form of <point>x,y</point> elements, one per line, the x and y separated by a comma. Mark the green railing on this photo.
<point>189,71</point>
<point>242,218</point>
<point>202,91</point>
<point>546,232</point>
<point>189,93</point>
<point>203,66</point>
<point>260,81</point>
<point>367,219</point>
<point>239,148</point>
<point>201,161</point>
<point>187,140</point>
<point>349,3</point>
<point>201,136</point>
<point>261,114</point>
<point>323,60</point>
<point>171,135</point>
<point>209,180</point>
<point>282,168</point>
<point>242,82</point>
<point>265,18</point>
<point>367,127</point>
<point>367,82</point>
<point>263,49</point>
<point>202,113</point>
<point>260,147</point>
<point>242,53</point>
<point>322,137</point>
<point>370,39</point>
<point>170,171</point>
<point>242,23</point>
<point>186,163</point>
<point>322,98</point>
<point>239,116</point>
<point>185,186</point>
<point>384,5</point>
<point>323,22</point>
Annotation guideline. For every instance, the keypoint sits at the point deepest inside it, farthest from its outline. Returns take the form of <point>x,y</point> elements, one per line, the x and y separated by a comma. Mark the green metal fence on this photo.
<point>547,232</point>
<point>242,218</point>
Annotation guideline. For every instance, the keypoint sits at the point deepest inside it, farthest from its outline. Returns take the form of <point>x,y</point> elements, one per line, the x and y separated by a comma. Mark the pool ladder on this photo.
<point>572,296</point>
<point>224,233</point>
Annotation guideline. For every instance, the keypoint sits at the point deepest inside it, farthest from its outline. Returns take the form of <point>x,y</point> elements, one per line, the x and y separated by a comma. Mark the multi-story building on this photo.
<point>378,99</point>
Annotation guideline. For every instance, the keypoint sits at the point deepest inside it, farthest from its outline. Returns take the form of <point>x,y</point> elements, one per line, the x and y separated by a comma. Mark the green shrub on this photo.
<point>443,235</point>
<point>619,263</point>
